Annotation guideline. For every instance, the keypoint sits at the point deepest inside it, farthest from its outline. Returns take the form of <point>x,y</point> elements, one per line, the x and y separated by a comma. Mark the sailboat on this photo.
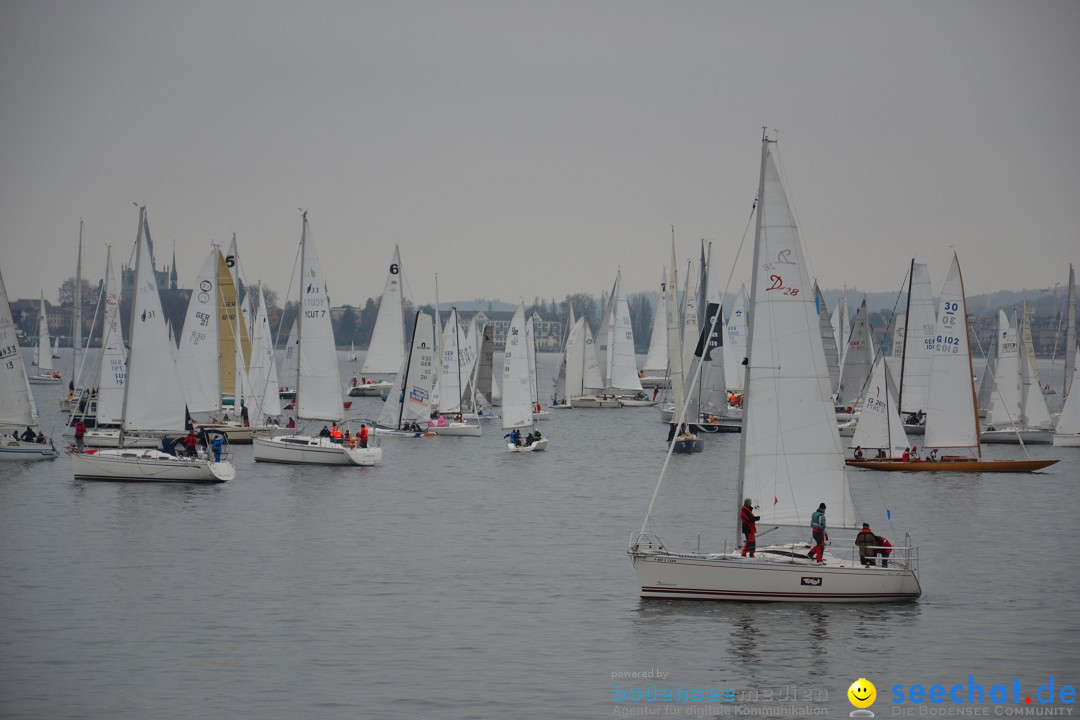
<point>1016,411</point>
<point>683,440</point>
<point>952,421</point>
<point>17,409</point>
<point>790,457</point>
<point>386,351</point>
<point>584,380</point>
<point>617,350</point>
<point>318,390</point>
<point>519,386</point>
<point>1067,432</point>
<point>45,375</point>
<point>559,398</point>
<point>409,401</point>
<point>879,425</point>
<point>153,400</point>
<point>654,369</point>
<point>352,356</point>
<point>457,363</point>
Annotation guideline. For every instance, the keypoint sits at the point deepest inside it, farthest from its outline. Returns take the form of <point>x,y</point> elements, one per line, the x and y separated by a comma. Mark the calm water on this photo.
<point>459,581</point>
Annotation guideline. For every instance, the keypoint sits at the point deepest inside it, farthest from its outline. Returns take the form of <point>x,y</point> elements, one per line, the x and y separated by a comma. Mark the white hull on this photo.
<point>537,446</point>
<point>240,435</point>
<point>594,402</point>
<point>455,429</point>
<point>542,415</point>
<point>1066,440</point>
<point>306,450</point>
<point>109,438</point>
<point>1006,436</point>
<point>771,578</point>
<point>370,389</point>
<point>148,466</point>
<point>45,380</point>
<point>628,402</point>
<point>654,381</point>
<point>17,450</point>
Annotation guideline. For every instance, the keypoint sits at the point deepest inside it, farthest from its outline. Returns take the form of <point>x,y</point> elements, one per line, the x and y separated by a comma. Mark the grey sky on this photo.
<point>525,149</point>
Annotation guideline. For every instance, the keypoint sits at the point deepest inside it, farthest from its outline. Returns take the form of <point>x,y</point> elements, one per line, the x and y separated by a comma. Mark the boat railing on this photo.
<point>905,556</point>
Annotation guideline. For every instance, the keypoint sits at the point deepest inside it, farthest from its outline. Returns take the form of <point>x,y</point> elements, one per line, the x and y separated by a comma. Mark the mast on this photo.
<point>903,350</point>
<point>971,370</point>
<point>457,359</point>
<point>1070,332</point>
<point>131,319</point>
<point>750,330</point>
<point>300,312</point>
<point>405,377</point>
<point>76,311</point>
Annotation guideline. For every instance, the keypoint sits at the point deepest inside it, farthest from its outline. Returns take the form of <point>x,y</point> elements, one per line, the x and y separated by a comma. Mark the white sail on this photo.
<point>198,363</point>
<point>153,398</point>
<point>690,329</point>
<point>828,340</point>
<point>450,385</point>
<point>792,456</point>
<point>1069,421</point>
<point>583,375</point>
<point>879,424</point>
<point>1005,406</point>
<point>896,357</point>
<point>622,370</point>
<point>951,421</point>
<point>410,397</point>
<point>919,328</point>
<point>560,375</point>
<point>530,355</point>
<point>290,362</point>
<point>657,358</point>
<point>319,387</point>
<point>386,351</point>
<point>262,375</point>
<point>858,360</point>
<point>517,404</point>
<point>44,351</point>
<point>735,346</point>
<point>112,373</point>
<point>16,403</point>
<point>674,342</point>
<point>485,364</point>
<point>1070,332</point>
<point>1035,413</point>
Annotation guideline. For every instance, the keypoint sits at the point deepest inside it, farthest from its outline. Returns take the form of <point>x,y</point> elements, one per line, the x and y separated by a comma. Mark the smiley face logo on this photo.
<point>862,693</point>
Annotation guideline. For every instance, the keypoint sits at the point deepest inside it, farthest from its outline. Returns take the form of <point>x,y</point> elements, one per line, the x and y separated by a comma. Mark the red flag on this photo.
<point>775,500</point>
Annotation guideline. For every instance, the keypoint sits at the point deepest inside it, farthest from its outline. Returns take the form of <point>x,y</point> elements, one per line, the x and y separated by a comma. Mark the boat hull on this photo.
<point>1013,437</point>
<point>687,446</point>
<point>370,389</point>
<point>240,435</point>
<point>45,380</point>
<point>948,464</point>
<point>145,465</point>
<point>594,403</point>
<point>537,446</point>
<point>306,450</point>
<point>765,579</point>
<point>455,429</point>
<point>19,451</point>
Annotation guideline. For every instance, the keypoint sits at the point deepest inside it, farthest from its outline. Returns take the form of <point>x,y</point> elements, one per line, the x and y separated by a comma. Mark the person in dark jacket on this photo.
<point>749,526</point>
<point>866,540</point>
<point>817,527</point>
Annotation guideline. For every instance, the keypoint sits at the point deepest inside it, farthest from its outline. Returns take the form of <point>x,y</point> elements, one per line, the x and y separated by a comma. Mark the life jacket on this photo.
<point>885,544</point>
<point>363,434</point>
<point>335,433</point>
<point>746,515</point>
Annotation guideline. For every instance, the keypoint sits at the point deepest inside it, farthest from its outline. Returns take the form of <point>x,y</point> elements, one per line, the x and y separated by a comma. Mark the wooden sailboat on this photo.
<point>153,402</point>
<point>790,457</point>
<point>318,390</point>
<point>952,421</point>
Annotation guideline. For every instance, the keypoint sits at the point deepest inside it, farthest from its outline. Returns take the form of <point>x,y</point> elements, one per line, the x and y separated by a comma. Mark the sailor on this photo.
<point>363,435</point>
<point>749,526</point>
<point>817,527</point>
<point>866,541</point>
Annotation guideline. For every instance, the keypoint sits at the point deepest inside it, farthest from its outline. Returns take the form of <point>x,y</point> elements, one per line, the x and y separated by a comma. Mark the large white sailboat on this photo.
<point>791,458</point>
<point>386,351</point>
<point>519,386</point>
<point>1016,411</point>
<point>153,401</point>
<point>654,368</point>
<point>18,413</point>
<point>457,363</point>
<point>409,401</point>
<point>318,389</point>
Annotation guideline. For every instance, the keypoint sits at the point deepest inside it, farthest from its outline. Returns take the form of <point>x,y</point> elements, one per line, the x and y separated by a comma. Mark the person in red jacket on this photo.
<point>749,526</point>
<point>80,432</point>
<point>884,549</point>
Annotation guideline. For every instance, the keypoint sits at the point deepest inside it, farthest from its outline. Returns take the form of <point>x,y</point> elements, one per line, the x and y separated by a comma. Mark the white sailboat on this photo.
<point>654,369</point>
<point>318,390</point>
<point>584,380</point>
<point>620,369</point>
<point>735,347</point>
<point>408,403</point>
<point>352,356</point>
<point>519,387</point>
<point>457,363</point>
<point>683,440</point>
<point>153,401</point>
<point>790,456</point>
<point>1016,411</point>
<point>386,351</point>
<point>879,425</point>
<point>18,413</point>
<point>560,399</point>
<point>1067,432</point>
<point>858,360</point>
<point>828,341</point>
<point>1070,332</point>
<point>46,374</point>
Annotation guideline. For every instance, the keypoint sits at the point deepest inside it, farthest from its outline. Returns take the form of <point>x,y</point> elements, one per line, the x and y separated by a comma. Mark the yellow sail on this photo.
<point>229,329</point>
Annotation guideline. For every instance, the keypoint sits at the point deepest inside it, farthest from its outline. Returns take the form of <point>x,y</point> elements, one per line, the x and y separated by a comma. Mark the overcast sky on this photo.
<point>523,149</point>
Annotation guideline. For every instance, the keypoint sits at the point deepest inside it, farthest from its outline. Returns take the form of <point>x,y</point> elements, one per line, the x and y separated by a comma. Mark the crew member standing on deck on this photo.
<point>749,526</point>
<point>817,526</point>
